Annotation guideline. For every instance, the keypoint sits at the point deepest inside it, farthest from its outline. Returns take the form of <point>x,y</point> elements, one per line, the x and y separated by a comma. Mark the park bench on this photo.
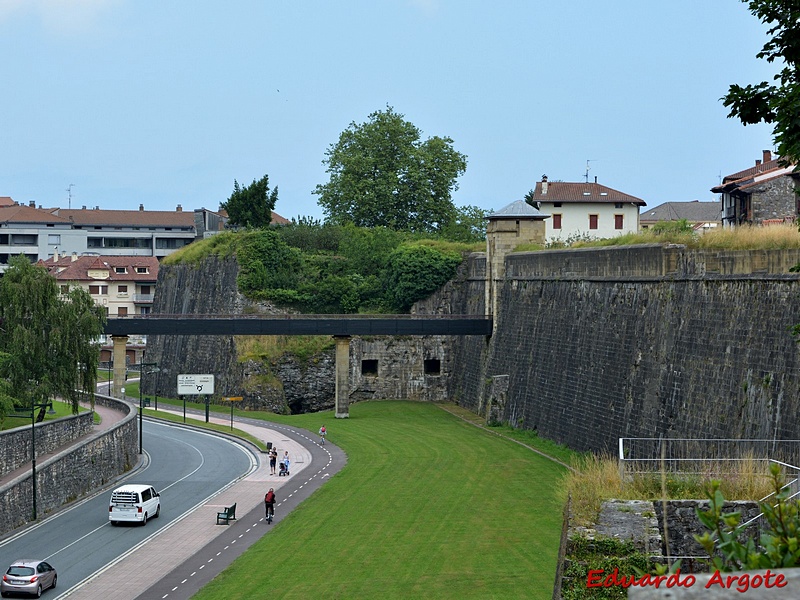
<point>227,515</point>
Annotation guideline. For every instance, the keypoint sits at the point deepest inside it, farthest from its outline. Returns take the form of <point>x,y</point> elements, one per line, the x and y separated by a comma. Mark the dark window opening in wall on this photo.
<point>556,221</point>
<point>592,221</point>
<point>432,366</point>
<point>618,221</point>
<point>369,367</point>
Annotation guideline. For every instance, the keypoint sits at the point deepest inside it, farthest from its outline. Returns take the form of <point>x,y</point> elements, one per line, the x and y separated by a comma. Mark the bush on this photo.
<point>416,271</point>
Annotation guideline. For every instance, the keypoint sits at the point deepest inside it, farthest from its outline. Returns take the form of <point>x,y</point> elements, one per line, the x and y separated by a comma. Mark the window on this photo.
<point>122,311</point>
<point>120,270</point>
<point>556,204</point>
<point>98,290</point>
<point>145,290</point>
<point>141,270</point>
<point>122,289</point>
<point>144,310</point>
<point>369,367</point>
<point>53,238</point>
<point>65,289</point>
<point>556,221</point>
<point>592,221</point>
<point>432,366</point>
<point>618,205</point>
<point>618,221</point>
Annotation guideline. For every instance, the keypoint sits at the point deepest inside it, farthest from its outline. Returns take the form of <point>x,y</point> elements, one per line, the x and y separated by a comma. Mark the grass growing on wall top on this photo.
<point>428,506</point>
<point>746,237</point>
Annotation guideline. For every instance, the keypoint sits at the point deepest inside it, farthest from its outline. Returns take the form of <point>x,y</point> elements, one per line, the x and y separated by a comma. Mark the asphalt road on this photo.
<point>185,466</point>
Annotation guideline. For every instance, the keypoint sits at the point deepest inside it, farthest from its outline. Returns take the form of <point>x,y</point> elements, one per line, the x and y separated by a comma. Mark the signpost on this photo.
<point>195,385</point>
<point>232,399</point>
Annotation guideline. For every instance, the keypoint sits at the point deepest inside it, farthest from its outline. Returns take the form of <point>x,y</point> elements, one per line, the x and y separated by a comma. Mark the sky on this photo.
<point>117,103</point>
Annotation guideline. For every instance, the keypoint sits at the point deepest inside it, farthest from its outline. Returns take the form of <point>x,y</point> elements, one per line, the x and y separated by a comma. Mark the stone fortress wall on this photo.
<point>74,473</point>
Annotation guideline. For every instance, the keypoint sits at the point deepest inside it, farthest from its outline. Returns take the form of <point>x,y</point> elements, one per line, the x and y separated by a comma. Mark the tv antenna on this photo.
<point>69,191</point>
<point>586,175</point>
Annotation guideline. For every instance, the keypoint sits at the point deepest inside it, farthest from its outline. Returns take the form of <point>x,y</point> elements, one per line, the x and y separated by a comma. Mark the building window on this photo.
<point>144,310</point>
<point>141,270</point>
<point>432,366</point>
<point>592,221</point>
<point>556,221</point>
<point>145,290</point>
<point>65,289</point>
<point>618,221</point>
<point>120,270</point>
<point>98,290</point>
<point>618,205</point>
<point>556,204</point>
<point>123,289</point>
<point>122,311</point>
<point>53,238</point>
<point>369,367</point>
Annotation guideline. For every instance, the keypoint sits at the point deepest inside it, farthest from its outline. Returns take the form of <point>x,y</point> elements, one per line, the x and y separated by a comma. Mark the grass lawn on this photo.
<point>428,506</point>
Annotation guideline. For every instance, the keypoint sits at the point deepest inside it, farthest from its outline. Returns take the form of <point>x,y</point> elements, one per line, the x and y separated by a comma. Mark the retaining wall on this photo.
<point>74,473</point>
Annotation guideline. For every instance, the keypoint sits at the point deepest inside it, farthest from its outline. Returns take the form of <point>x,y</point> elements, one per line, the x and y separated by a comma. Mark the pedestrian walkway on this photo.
<point>183,540</point>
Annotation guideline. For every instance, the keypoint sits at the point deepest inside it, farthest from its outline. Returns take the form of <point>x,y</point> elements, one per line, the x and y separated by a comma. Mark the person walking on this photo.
<point>273,460</point>
<point>269,504</point>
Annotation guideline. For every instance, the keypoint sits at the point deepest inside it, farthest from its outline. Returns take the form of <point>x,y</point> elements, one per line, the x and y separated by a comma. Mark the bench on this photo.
<point>227,515</point>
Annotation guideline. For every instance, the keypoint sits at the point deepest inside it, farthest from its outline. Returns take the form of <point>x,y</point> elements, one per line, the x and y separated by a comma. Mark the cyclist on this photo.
<point>269,503</point>
<point>322,433</point>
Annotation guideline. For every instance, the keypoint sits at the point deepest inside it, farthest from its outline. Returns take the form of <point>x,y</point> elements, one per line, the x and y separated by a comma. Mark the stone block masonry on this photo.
<point>647,341</point>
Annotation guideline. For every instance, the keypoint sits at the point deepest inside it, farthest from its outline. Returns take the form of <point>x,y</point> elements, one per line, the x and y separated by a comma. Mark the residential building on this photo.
<point>40,233</point>
<point>762,194</point>
<point>701,216</point>
<point>123,285</point>
<point>586,210</point>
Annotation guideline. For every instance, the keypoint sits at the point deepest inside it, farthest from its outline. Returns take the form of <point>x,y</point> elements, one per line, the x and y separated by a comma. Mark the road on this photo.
<point>187,467</point>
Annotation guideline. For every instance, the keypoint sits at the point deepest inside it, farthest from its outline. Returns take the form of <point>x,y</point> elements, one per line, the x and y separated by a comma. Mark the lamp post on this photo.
<point>34,406</point>
<point>142,371</point>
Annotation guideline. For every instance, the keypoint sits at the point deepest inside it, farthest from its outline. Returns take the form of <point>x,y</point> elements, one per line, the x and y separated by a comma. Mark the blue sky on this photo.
<point>166,103</point>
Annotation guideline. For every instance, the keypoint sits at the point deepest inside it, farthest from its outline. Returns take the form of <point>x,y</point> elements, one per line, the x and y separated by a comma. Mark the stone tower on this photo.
<point>518,223</point>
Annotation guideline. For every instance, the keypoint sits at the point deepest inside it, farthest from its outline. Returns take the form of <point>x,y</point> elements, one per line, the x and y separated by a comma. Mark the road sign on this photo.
<point>195,384</point>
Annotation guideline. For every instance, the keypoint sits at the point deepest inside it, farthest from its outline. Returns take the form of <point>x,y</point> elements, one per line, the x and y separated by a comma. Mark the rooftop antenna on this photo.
<point>586,175</point>
<point>69,191</point>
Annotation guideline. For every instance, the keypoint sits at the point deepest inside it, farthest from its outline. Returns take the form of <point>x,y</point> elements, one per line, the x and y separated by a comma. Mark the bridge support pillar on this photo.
<point>120,343</point>
<point>342,376</point>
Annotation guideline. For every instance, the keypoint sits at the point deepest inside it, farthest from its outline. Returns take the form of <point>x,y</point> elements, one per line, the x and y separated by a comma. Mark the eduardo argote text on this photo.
<point>740,582</point>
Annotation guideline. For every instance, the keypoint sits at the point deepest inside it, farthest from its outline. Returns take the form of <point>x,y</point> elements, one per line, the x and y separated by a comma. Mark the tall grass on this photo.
<point>272,347</point>
<point>598,478</point>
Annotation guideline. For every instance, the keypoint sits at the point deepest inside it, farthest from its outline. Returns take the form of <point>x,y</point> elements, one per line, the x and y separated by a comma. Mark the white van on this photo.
<point>134,503</point>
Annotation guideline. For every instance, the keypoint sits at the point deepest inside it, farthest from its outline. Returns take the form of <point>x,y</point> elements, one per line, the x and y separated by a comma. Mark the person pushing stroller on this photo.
<point>284,466</point>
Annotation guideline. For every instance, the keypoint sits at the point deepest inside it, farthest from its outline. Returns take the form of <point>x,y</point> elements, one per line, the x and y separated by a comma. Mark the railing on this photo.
<point>143,299</point>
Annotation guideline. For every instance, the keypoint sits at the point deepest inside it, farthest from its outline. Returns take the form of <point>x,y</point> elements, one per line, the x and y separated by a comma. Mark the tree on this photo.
<point>382,174</point>
<point>468,226</point>
<point>47,342</point>
<point>251,206</point>
<point>778,103</point>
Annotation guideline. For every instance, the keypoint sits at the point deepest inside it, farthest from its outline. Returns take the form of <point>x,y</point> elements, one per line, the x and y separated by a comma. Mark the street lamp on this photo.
<point>142,371</point>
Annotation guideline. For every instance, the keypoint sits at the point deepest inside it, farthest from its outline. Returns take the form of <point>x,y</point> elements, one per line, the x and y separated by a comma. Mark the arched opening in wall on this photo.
<point>369,367</point>
<point>432,366</point>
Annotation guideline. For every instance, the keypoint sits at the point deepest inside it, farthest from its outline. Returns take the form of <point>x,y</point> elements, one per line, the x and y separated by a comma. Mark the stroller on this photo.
<point>283,469</point>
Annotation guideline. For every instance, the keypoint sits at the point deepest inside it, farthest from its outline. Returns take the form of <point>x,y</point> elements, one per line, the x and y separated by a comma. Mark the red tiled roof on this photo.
<point>559,191</point>
<point>128,218</point>
<point>67,269</point>
<point>20,213</point>
<point>6,201</point>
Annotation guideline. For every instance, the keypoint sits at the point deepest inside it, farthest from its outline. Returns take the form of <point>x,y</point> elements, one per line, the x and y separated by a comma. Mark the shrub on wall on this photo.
<point>416,271</point>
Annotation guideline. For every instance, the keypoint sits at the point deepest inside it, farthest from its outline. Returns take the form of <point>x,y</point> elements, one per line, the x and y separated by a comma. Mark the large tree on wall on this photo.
<point>776,103</point>
<point>251,206</point>
<point>48,341</point>
<point>383,174</point>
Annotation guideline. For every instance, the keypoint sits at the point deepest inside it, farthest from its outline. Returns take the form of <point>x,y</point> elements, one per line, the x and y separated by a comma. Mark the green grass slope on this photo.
<point>428,506</point>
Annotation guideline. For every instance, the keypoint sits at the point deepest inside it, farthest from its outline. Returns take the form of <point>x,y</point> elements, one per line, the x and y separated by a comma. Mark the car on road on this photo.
<point>28,576</point>
<point>134,503</point>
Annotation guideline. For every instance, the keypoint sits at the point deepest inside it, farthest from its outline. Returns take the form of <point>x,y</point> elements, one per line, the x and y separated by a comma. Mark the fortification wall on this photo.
<point>592,345</point>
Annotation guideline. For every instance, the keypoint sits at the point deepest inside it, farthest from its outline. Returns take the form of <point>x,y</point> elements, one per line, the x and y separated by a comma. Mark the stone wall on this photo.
<point>74,473</point>
<point>15,444</point>
<point>650,341</point>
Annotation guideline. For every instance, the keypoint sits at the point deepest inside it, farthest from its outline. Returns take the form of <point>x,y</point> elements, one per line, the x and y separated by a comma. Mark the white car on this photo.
<point>134,503</point>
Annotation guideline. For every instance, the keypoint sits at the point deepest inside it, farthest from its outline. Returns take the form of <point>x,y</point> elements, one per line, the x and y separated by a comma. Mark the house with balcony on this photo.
<point>763,194</point>
<point>585,210</point>
<point>122,285</point>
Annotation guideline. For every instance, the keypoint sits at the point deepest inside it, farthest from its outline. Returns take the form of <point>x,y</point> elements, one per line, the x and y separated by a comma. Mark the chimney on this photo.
<point>32,203</point>
<point>74,256</point>
<point>179,208</point>
<point>141,207</point>
<point>595,178</point>
<point>758,162</point>
<point>544,185</point>
<point>767,155</point>
<point>83,207</point>
<point>55,255</point>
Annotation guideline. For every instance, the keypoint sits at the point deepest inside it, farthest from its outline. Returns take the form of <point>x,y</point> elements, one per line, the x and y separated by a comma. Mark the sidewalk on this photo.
<point>183,540</point>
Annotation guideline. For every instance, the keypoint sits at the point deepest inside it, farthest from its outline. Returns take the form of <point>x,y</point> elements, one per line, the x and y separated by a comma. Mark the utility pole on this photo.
<point>69,191</point>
